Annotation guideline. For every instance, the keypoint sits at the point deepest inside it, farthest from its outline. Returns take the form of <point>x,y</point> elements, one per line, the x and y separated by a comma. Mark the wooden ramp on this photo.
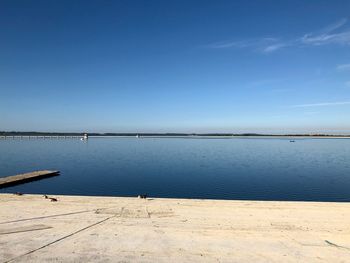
<point>27,177</point>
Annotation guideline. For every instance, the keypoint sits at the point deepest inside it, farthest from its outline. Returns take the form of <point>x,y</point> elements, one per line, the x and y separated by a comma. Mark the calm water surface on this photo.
<point>250,169</point>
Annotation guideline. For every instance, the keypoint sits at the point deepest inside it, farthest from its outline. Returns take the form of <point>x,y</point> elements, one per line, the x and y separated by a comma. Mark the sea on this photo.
<point>237,168</point>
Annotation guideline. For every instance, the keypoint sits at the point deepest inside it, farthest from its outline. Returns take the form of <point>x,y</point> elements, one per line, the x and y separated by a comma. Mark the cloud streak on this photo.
<point>343,67</point>
<point>252,43</point>
<point>328,36</point>
<point>322,104</point>
<point>332,34</point>
<point>275,47</point>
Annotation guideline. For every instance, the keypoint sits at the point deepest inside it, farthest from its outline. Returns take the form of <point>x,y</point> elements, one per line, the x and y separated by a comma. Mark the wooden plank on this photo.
<point>26,177</point>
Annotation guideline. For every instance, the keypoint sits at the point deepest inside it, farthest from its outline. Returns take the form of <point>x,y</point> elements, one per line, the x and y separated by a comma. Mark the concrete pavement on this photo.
<point>114,229</point>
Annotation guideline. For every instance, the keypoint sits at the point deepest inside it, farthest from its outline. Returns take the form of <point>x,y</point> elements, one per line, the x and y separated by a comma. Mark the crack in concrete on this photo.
<point>60,239</point>
<point>335,245</point>
<point>23,229</point>
<point>42,217</point>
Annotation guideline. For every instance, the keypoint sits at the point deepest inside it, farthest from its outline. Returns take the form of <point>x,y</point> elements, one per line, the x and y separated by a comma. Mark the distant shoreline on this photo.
<point>170,135</point>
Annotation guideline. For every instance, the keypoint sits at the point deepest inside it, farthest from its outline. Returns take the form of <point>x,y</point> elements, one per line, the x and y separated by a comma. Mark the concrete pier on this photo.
<point>26,177</point>
<point>109,229</point>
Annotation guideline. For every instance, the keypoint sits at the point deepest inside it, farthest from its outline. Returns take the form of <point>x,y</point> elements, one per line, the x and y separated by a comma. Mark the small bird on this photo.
<point>144,196</point>
<point>52,199</point>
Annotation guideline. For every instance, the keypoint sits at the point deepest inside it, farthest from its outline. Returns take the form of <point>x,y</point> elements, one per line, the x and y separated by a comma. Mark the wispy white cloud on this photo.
<point>343,67</point>
<point>342,38</point>
<point>229,44</point>
<point>332,34</point>
<point>334,26</point>
<point>328,36</point>
<point>322,104</point>
<point>247,43</point>
<point>274,47</point>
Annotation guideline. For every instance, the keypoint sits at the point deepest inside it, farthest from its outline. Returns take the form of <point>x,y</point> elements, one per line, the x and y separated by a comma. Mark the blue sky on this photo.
<point>175,66</point>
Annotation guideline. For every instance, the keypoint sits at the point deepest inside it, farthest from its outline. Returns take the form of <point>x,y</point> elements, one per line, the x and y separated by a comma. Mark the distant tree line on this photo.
<point>33,133</point>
